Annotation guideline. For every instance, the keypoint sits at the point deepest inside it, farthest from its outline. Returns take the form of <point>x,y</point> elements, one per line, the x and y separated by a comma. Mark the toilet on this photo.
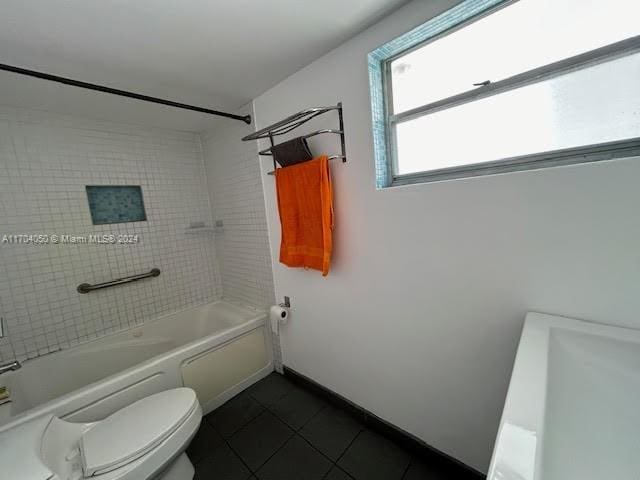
<point>143,441</point>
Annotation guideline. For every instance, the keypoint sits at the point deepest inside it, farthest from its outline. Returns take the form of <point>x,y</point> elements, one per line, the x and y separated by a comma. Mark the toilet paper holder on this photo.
<point>286,302</point>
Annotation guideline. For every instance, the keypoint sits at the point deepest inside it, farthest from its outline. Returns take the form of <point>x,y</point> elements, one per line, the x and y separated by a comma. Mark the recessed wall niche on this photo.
<point>116,204</point>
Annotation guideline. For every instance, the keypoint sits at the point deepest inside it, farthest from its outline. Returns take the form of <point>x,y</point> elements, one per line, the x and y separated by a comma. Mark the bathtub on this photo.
<point>217,349</point>
<point>573,406</point>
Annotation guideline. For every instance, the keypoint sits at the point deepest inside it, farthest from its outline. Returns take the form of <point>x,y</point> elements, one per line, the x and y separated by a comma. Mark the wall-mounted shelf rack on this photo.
<point>194,230</point>
<point>294,121</point>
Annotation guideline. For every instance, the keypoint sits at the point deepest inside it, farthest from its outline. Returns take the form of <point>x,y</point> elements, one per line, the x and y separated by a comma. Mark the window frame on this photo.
<point>460,16</point>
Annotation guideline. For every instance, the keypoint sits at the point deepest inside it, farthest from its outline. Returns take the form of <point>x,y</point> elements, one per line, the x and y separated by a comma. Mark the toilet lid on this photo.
<point>135,430</point>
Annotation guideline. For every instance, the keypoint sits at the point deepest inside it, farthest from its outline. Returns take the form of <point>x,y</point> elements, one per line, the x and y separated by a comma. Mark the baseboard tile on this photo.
<point>407,441</point>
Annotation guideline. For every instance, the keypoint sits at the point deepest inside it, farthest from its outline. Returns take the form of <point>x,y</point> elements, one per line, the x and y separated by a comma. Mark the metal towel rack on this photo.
<point>294,121</point>
<point>86,287</point>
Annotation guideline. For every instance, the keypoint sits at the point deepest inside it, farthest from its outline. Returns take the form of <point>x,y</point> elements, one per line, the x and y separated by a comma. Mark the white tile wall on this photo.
<point>237,199</point>
<point>45,162</point>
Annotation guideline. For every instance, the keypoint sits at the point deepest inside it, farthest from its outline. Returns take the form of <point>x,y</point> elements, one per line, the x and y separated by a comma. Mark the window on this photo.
<point>495,86</point>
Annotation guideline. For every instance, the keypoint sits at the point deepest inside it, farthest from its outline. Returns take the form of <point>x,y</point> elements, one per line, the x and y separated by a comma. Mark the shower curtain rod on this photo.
<point>122,93</point>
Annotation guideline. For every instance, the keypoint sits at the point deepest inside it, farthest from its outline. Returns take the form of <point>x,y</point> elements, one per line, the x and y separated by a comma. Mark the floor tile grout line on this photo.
<point>209,454</point>
<point>362,419</point>
<point>251,472</point>
<point>228,444</point>
<point>294,434</point>
<point>274,453</point>
<point>406,470</point>
<point>262,403</point>
<point>282,390</point>
<point>317,450</point>
<point>240,427</point>
<point>322,409</point>
<point>258,401</point>
<point>326,406</point>
<point>267,408</point>
<point>237,454</point>
<point>341,469</point>
<point>335,463</point>
<point>270,409</point>
<point>297,432</point>
<point>349,446</point>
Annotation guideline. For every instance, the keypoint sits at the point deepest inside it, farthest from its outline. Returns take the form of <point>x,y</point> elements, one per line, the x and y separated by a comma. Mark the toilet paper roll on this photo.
<point>278,315</point>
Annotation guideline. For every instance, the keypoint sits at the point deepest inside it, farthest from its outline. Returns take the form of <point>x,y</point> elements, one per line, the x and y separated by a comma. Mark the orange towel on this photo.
<point>305,204</point>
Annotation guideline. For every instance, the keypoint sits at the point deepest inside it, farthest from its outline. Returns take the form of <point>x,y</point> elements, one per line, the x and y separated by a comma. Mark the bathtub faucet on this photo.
<point>7,367</point>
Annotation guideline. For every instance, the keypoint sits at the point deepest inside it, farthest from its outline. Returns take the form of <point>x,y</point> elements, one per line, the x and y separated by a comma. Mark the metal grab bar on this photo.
<point>86,287</point>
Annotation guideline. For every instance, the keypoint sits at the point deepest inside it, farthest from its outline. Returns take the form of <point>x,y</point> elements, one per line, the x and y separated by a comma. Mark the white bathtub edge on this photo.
<point>95,392</point>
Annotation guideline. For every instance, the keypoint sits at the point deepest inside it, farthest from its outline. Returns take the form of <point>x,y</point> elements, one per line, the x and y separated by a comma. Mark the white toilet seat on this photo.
<point>138,442</point>
<point>134,431</point>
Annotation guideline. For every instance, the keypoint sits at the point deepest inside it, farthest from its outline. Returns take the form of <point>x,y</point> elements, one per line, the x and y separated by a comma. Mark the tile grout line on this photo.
<point>348,447</point>
<point>308,442</point>
<point>226,441</point>
<point>251,472</point>
<point>334,463</point>
<point>417,449</point>
<point>241,426</point>
<point>274,453</point>
<point>314,416</point>
<point>239,457</point>
<point>406,470</point>
<point>340,469</point>
<point>271,405</point>
<point>316,450</point>
<point>297,432</point>
<point>266,409</point>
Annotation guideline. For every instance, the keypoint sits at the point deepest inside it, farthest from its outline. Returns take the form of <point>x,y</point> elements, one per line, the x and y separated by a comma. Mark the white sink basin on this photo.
<point>573,406</point>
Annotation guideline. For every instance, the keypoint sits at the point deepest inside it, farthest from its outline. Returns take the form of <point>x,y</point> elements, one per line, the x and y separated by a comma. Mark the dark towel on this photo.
<point>291,152</point>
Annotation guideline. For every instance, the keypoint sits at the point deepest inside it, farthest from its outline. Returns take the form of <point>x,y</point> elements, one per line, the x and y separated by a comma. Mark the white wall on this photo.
<point>45,162</point>
<point>242,243</point>
<point>419,319</point>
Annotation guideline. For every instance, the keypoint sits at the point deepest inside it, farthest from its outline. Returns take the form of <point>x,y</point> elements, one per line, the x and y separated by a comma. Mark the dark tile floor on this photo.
<point>277,431</point>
